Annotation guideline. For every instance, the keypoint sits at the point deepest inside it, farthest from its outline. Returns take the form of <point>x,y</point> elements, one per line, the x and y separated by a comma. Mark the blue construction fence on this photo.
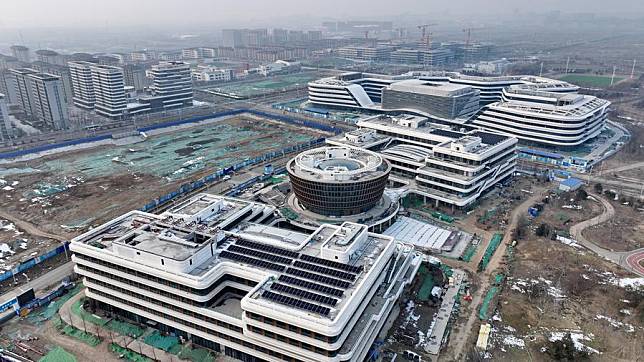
<point>282,118</point>
<point>243,186</point>
<point>34,261</point>
<point>219,174</point>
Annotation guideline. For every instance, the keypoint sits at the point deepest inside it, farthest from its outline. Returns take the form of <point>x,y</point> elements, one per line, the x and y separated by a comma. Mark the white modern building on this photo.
<point>109,90</point>
<point>449,167</point>
<point>171,86</point>
<point>491,87</point>
<point>545,118</point>
<point>48,100</point>
<point>364,90</point>
<point>41,96</point>
<point>212,271</point>
<point>208,73</point>
<point>21,52</point>
<point>378,53</point>
<point>82,84</point>
<point>22,88</point>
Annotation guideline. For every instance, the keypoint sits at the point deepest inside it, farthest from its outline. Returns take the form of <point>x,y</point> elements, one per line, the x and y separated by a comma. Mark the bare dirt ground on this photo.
<point>48,337</point>
<point>556,289</point>
<point>97,199</point>
<point>624,232</point>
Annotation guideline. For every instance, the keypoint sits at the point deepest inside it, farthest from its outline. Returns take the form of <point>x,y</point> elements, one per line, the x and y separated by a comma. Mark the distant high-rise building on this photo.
<point>8,62</point>
<point>192,53</point>
<point>6,131</point>
<point>171,86</point>
<point>110,60</point>
<point>280,36</point>
<point>7,87</point>
<point>109,90</point>
<point>135,76</point>
<point>21,53</point>
<point>41,96</point>
<point>49,56</point>
<point>22,88</point>
<point>48,101</point>
<point>82,84</point>
<point>142,56</point>
<point>315,35</point>
<point>255,37</point>
<point>99,87</point>
<point>59,71</point>
<point>232,38</point>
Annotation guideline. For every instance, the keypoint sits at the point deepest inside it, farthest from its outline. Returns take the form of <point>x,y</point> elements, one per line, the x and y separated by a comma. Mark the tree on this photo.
<point>581,195</point>
<point>599,188</point>
<point>543,230</point>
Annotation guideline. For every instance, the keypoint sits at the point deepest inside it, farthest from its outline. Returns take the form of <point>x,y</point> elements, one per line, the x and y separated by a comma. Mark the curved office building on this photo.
<point>338,181</point>
<point>545,118</point>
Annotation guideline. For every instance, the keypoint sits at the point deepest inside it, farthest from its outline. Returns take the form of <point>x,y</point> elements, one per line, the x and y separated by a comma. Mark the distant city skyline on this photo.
<point>75,13</point>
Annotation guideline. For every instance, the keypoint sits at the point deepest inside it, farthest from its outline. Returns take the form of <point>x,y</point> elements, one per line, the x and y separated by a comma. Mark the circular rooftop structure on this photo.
<point>338,181</point>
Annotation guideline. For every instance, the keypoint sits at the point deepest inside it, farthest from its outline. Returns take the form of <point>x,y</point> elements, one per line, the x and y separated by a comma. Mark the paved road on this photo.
<point>622,168</point>
<point>461,337</point>
<point>630,188</point>
<point>627,259</point>
<point>52,277</point>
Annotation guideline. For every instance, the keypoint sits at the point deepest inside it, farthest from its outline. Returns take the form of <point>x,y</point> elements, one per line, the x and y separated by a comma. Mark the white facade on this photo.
<point>449,167</point>
<point>82,84</point>
<point>247,289</point>
<point>205,73</point>
<point>41,96</point>
<point>545,118</point>
<point>109,90</point>
<point>48,100</point>
<point>6,130</point>
<point>171,86</point>
<point>348,90</point>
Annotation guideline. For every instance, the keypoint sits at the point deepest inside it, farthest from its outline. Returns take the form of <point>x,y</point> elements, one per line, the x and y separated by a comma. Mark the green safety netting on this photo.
<point>196,354</point>
<point>166,343</point>
<point>469,252</point>
<point>489,251</point>
<point>483,312</point>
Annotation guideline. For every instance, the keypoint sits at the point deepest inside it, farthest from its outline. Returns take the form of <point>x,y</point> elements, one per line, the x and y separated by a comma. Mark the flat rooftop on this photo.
<point>439,89</point>
<point>297,268</point>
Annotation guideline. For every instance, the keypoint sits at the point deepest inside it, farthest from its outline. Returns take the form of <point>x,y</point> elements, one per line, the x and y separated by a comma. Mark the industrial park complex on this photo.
<point>349,192</point>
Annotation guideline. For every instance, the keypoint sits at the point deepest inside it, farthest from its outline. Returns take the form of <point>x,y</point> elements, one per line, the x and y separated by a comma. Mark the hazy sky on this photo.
<point>72,13</point>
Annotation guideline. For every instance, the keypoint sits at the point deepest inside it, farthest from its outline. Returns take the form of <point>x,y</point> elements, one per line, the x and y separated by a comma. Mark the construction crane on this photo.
<point>468,42</point>
<point>366,34</point>
<point>426,39</point>
<point>469,34</point>
<point>426,35</point>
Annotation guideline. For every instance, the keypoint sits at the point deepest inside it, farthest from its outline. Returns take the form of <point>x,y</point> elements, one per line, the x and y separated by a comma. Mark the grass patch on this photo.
<point>589,80</point>
<point>58,354</point>
<point>84,337</point>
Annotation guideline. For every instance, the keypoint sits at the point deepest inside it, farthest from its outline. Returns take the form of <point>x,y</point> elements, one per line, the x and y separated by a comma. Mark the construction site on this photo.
<point>55,197</point>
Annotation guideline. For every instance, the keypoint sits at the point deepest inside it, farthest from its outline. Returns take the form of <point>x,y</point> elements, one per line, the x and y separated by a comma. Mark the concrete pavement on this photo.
<point>52,277</point>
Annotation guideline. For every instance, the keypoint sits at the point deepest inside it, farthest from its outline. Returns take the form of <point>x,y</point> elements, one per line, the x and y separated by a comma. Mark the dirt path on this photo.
<point>462,336</point>
<point>628,260</point>
<point>30,228</point>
